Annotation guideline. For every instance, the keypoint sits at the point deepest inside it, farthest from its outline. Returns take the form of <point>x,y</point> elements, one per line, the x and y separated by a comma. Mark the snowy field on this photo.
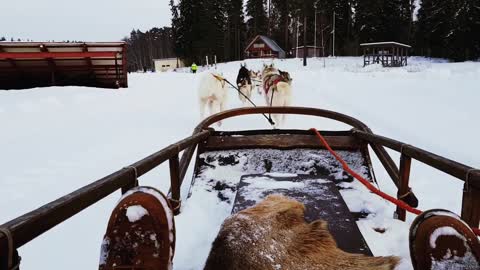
<point>55,140</point>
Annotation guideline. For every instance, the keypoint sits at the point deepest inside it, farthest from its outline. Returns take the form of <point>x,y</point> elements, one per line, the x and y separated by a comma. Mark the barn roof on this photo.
<point>270,43</point>
<point>36,64</point>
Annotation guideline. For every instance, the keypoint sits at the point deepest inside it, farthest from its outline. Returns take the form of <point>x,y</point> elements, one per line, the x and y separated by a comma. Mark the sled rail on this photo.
<point>471,177</point>
<point>399,176</point>
<point>31,225</point>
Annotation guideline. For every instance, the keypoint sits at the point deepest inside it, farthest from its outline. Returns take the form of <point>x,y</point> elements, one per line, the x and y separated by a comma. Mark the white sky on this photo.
<point>83,20</point>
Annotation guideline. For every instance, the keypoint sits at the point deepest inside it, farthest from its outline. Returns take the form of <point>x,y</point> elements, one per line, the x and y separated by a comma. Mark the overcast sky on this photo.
<point>83,20</point>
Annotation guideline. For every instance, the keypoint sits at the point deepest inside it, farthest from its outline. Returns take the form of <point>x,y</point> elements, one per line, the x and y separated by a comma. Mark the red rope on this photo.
<point>371,187</point>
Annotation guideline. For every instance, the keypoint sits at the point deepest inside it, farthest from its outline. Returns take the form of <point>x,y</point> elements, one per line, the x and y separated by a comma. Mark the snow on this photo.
<point>55,140</point>
<point>135,213</point>
<point>444,231</point>
<point>453,261</point>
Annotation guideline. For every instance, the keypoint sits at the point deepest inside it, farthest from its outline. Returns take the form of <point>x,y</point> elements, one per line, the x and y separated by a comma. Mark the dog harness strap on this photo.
<point>270,82</point>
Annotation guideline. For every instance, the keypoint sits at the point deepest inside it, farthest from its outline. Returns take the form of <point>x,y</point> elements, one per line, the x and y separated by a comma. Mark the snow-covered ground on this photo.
<point>55,140</point>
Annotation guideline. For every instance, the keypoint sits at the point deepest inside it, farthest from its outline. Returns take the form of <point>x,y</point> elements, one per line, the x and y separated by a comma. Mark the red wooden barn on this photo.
<point>33,64</point>
<point>264,47</point>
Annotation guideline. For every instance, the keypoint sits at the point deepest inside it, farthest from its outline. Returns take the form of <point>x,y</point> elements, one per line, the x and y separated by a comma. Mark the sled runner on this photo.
<point>242,168</point>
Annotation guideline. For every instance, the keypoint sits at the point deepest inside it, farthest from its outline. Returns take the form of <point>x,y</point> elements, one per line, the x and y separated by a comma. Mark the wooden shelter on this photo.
<point>389,54</point>
<point>38,64</point>
<point>264,47</point>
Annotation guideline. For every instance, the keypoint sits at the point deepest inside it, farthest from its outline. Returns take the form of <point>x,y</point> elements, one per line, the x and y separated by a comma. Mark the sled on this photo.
<point>291,162</point>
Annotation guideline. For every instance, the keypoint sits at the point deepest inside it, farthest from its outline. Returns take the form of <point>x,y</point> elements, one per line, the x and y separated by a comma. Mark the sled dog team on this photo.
<point>275,85</point>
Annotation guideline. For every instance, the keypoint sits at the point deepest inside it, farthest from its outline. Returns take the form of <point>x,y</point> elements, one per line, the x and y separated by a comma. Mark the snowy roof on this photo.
<point>166,59</point>
<point>310,46</point>
<point>270,43</point>
<point>388,43</point>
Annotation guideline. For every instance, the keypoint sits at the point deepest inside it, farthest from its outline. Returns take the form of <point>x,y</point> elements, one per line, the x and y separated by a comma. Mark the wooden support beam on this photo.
<point>51,65</point>
<point>89,60</point>
<point>471,204</point>
<point>125,68</point>
<point>175,184</point>
<point>403,189</point>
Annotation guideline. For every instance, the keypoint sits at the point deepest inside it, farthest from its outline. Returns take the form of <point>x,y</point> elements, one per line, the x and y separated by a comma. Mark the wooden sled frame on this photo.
<point>27,227</point>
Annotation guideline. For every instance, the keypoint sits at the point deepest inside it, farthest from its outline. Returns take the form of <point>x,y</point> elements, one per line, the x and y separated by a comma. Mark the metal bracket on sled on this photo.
<point>9,259</point>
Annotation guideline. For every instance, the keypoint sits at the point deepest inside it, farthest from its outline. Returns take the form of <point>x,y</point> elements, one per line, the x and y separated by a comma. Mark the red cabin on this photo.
<point>264,47</point>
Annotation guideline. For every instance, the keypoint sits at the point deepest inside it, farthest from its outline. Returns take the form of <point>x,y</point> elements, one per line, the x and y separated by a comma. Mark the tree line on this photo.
<point>143,48</point>
<point>443,28</point>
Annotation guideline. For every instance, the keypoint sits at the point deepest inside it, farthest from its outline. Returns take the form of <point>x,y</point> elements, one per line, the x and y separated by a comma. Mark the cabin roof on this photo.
<point>270,43</point>
<point>385,44</point>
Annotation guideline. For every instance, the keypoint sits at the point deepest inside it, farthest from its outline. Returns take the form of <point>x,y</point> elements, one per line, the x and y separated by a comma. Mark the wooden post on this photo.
<point>52,78</point>
<point>125,66</point>
<point>175,184</point>
<point>133,183</point>
<point>404,189</point>
<point>406,56</point>
<point>471,205</point>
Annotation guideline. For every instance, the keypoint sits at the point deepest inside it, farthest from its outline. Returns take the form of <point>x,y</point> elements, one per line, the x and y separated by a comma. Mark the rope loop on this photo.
<point>401,197</point>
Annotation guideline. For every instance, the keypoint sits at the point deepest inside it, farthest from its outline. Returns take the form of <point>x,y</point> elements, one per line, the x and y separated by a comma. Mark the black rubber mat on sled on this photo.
<point>320,197</point>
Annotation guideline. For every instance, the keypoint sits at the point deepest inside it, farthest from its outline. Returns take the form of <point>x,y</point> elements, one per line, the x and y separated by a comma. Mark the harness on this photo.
<point>219,78</point>
<point>272,81</point>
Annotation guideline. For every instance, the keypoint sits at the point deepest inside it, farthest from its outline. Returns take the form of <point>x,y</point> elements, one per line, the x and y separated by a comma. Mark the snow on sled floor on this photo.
<point>230,180</point>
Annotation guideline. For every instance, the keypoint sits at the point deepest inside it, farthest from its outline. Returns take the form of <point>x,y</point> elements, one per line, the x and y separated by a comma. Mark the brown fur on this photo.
<point>274,235</point>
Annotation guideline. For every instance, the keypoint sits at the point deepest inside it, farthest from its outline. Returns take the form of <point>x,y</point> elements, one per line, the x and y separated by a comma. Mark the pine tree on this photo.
<point>463,41</point>
<point>434,29</point>
<point>368,21</point>
<point>235,34</point>
<point>280,21</point>
<point>177,46</point>
<point>258,22</point>
<point>396,17</point>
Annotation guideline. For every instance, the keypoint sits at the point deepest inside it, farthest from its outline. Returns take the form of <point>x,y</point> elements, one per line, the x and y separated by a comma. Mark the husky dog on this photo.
<point>277,89</point>
<point>212,92</point>
<point>244,84</point>
<point>256,77</point>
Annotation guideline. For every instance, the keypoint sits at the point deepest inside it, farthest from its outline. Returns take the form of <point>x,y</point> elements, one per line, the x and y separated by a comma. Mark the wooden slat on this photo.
<point>322,200</point>
<point>279,141</point>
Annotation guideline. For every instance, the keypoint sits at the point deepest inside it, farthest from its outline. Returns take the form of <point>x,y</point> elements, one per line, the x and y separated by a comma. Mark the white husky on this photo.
<point>212,92</point>
<point>277,89</point>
